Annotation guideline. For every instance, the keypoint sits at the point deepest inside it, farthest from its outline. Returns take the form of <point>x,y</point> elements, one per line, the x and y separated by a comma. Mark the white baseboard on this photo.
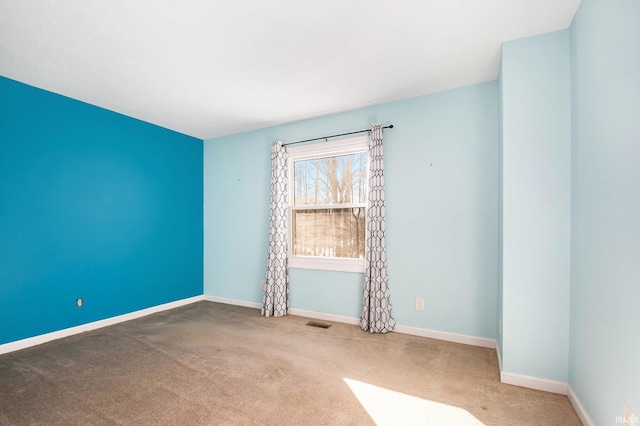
<point>483,342</point>
<point>292,311</point>
<point>546,385</point>
<point>577,405</point>
<point>44,338</point>
<point>403,329</point>
<point>323,316</point>
<point>236,302</point>
<point>499,358</point>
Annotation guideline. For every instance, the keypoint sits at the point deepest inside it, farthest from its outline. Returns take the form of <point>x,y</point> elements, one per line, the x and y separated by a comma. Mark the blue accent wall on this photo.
<point>441,175</point>
<point>605,208</point>
<point>93,204</point>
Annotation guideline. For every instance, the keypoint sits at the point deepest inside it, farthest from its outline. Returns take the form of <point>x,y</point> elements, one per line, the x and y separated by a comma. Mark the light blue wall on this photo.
<point>605,214</point>
<point>441,172</point>
<point>93,204</point>
<point>536,160</point>
<point>500,312</point>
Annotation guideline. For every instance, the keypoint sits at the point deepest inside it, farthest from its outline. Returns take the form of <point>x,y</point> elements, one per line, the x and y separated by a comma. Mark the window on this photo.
<point>327,205</point>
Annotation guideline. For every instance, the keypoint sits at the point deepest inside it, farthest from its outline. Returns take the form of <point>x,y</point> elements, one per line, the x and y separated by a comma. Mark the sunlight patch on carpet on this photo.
<point>387,407</point>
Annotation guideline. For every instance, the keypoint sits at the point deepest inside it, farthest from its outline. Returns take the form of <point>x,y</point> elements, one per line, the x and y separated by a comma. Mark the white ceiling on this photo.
<point>208,68</point>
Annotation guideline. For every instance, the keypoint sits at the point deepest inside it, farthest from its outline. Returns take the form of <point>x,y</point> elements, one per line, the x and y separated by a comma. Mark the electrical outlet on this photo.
<point>262,285</point>
<point>419,304</point>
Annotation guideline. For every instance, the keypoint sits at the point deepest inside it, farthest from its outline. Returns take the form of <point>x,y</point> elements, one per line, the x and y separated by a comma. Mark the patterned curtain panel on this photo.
<point>275,301</point>
<point>376,306</point>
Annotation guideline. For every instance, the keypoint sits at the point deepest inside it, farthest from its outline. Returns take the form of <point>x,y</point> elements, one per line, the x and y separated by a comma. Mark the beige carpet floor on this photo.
<point>214,364</point>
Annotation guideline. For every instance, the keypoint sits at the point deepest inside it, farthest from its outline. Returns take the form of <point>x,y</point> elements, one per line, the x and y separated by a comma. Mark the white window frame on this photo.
<point>320,150</point>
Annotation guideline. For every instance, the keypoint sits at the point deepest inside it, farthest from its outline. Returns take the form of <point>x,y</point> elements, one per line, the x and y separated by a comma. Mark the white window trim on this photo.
<point>316,150</point>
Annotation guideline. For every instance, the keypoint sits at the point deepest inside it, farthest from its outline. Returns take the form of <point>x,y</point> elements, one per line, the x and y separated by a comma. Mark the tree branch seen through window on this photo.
<point>329,206</point>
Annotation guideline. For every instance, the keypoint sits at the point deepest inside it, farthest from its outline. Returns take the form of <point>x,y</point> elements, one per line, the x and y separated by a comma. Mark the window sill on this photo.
<point>327,264</point>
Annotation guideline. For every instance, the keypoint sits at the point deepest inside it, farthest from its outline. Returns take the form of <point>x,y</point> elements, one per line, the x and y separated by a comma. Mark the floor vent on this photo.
<point>317,324</point>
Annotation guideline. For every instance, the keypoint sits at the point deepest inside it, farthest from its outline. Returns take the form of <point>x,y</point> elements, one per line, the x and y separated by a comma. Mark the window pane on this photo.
<point>329,233</point>
<point>330,180</point>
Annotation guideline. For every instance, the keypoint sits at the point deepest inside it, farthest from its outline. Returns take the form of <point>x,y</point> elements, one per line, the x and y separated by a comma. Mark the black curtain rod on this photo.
<point>390,126</point>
